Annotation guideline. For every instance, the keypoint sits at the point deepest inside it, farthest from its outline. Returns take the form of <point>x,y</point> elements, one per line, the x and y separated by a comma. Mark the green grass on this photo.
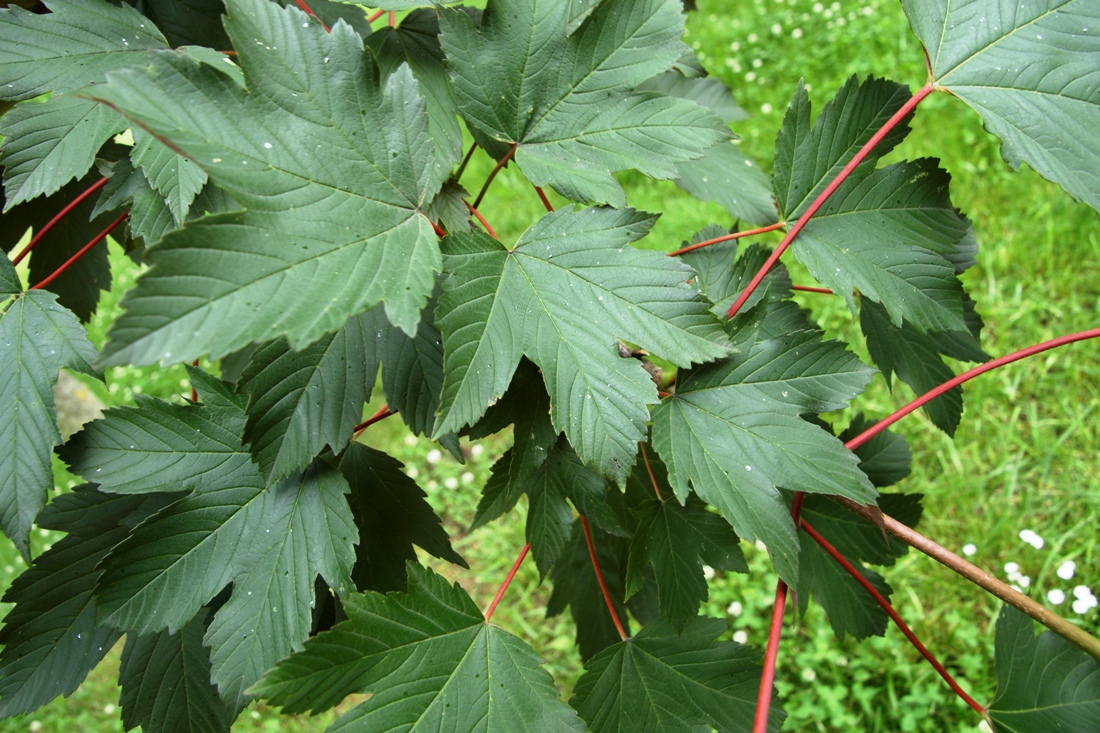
<point>1023,458</point>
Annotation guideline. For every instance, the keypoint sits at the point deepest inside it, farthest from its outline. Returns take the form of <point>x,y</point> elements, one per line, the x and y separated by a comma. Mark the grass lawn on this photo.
<point>1023,458</point>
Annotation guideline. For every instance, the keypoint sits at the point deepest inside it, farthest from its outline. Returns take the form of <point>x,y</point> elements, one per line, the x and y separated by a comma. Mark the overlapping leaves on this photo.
<point>561,297</point>
<point>562,97</point>
<point>444,668</point>
<point>333,164</point>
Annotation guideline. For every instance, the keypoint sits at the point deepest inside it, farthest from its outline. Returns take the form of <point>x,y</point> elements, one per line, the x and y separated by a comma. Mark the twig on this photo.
<point>507,582</point>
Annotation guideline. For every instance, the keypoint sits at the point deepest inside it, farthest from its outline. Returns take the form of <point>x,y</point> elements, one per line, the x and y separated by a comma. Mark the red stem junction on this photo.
<point>728,237</point>
<point>383,412</point>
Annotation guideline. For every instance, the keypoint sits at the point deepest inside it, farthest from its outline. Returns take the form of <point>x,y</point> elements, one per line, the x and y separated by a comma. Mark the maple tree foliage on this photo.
<point>293,186</point>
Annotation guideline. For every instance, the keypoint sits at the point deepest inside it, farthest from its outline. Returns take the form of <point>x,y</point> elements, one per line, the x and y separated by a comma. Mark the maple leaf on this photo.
<point>442,666</point>
<point>733,432</point>
<point>40,338</point>
<point>1044,682</point>
<point>1030,71</point>
<point>561,297</point>
<point>563,97</point>
<point>331,203</point>
<point>663,680</point>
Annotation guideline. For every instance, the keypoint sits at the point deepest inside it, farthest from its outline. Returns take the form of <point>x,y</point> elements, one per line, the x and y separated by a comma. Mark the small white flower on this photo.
<point>1082,606</point>
<point>1024,581</point>
<point>1067,569</point>
<point>734,609</point>
<point>434,455</point>
<point>751,76</point>
<point>777,29</point>
<point>1011,569</point>
<point>1082,592</point>
<point>467,477</point>
<point>740,636</point>
<point>411,472</point>
<point>766,108</point>
<point>35,726</point>
<point>109,709</point>
<point>983,727</point>
<point>809,675</point>
<point>796,33</point>
<point>477,449</point>
<point>1031,538</point>
<point>1056,597</point>
<point>757,63</point>
<point>410,440</point>
<point>708,572</point>
<point>753,38</point>
<point>970,549</point>
<point>450,482</point>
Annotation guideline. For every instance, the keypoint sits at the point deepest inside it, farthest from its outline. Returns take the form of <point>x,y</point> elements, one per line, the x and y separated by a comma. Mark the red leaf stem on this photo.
<point>83,250</point>
<point>545,201</point>
<point>383,412</point>
<point>811,289</point>
<point>728,237</point>
<point>481,218</point>
<point>599,579</point>
<point>60,215</point>
<point>881,600</point>
<point>375,16</point>
<point>309,11</point>
<point>803,220</point>
<point>649,470</point>
<point>194,392</point>
<point>465,162</point>
<point>966,377</point>
<point>393,22</point>
<point>493,174</point>
<point>507,582</point>
<point>771,654</point>
<point>439,232</point>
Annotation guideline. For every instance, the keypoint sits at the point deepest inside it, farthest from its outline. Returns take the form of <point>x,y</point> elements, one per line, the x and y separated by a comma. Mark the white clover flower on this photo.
<point>1056,597</point>
<point>1031,538</point>
<point>766,108</point>
<point>109,709</point>
<point>796,33</point>
<point>970,549</point>
<point>741,636</point>
<point>809,675</point>
<point>734,609</point>
<point>1082,606</point>
<point>1082,592</point>
<point>451,482</point>
<point>757,63</point>
<point>433,455</point>
<point>411,471</point>
<point>1011,569</point>
<point>410,440</point>
<point>751,76</point>
<point>1067,569</point>
<point>708,572</point>
<point>1024,581</point>
<point>467,477</point>
<point>477,449</point>
<point>777,29</point>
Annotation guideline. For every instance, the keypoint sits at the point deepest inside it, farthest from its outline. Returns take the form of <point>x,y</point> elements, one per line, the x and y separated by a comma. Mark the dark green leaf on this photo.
<point>661,680</point>
<point>302,401</point>
<point>428,659</point>
<point>75,45</point>
<point>40,338</point>
<point>158,446</point>
<point>576,586</point>
<point>412,377</point>
<point>303,528</point>
<point>9,278</point>
<point>732,180</point>
<point>885,458</point>
<point>333,204</point>
<point>733,433</point>
<point>1030,71</point>
<point>170,174</point>
<point>561,297</point>
<point>47,144</point>
<point>851,609</point>
<point>416,42</point>
<point>808,158</point>
<point>708,91</point>
<point>886,233</point>
<point>187,22</point>
<point>392,515</point>
<point>166,686</point>
<point>51,637</point>
<point>855,537</point>
<point>565,100</point>
<point>670,538</point>
<point>1045,683</point>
